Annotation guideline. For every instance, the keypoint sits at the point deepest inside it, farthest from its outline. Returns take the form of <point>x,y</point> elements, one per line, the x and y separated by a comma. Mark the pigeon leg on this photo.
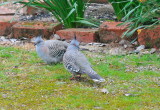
<point>79,75</point>
<point>73,77</point>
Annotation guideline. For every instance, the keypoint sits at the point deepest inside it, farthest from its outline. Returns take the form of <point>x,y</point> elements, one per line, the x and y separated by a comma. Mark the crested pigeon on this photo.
<point>76,62</point>
<point>50,51</point>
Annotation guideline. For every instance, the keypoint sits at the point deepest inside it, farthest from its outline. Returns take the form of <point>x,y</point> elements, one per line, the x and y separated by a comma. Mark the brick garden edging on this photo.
<point>5,25</point>
<point>107,32</point>
<point>33,29</point>
<point>110,32</point>
<point>82,34</point>
<point>150,37</point>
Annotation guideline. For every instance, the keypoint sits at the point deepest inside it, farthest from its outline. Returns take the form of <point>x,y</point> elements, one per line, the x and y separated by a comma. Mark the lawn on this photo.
<point>26,83</point>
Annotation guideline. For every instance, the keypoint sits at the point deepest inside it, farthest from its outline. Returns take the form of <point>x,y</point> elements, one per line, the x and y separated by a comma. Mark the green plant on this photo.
<point>137,14</point>
<point>145,15</point>
<point>117,8</point>
<point>68,12</point>
<point>122,7</point>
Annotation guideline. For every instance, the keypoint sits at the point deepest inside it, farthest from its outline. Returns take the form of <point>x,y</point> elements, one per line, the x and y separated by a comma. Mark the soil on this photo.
<point>96,11</point>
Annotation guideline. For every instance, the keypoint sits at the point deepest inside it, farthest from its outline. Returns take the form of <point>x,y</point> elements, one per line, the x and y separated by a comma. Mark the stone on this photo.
<point>110,32</point>
<point>135,43</point>
<point>18,43</point>
<point>102,45</point>
<point>141,47</point>
<point>90,43</point>
<point>5,43</point>
<point>23,38</point>
<point>4,39</point>
<point>13,40</point>
<point>105,91</point>
<point>117,51</point>
<point>4,95</point>
<point>153,50</point>
<point>134,51</point>
<point>129,94</point>
<point>125,46</point>
<point>82,34</point>
<point>124,42</point>
<point>97,44</point>
<point>98,108</point>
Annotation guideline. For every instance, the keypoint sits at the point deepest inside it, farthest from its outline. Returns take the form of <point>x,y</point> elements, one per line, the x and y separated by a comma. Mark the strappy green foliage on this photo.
<point>122,7</point>
<point>69,12</point>
<point>137,14</point>
<point>144,15</point>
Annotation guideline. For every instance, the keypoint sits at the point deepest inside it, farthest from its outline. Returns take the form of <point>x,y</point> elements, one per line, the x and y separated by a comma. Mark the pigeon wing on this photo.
<point>56,48</point>
<point>70,63</point>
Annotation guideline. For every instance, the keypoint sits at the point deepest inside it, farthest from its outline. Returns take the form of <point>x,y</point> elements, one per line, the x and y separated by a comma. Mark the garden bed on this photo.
<point>26,82</point>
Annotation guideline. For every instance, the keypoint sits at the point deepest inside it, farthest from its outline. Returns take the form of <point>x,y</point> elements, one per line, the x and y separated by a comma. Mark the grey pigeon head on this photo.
<point>38,40</point>
<point>74,44</point>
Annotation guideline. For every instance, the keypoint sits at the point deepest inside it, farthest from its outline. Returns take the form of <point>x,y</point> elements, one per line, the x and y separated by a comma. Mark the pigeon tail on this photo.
<point>95,77</point>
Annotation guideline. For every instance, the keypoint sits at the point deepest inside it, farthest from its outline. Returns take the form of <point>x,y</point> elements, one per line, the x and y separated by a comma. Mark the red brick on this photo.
<point>5,25</point>
<point>110,32</point>
<point>32,10</point>
<point>10,9</point>
<point>150,37</point>
<point>4,10</point>
<point>82,34</point>
<point>32,29</point>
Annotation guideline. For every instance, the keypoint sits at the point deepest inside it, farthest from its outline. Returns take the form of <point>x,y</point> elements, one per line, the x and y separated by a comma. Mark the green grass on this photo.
<point>28,83</point>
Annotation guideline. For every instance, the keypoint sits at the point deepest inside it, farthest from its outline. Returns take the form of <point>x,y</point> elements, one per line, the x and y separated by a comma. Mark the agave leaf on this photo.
<point>130,12</point>
<point>65,11</point>
<point>70,13</point>
<point>86,23</point>
<point>130,33</point>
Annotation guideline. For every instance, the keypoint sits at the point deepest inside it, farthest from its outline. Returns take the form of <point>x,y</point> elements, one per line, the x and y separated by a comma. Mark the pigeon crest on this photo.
<point>74,44</point>
<point>76,62</point>
<point>50,51</point>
